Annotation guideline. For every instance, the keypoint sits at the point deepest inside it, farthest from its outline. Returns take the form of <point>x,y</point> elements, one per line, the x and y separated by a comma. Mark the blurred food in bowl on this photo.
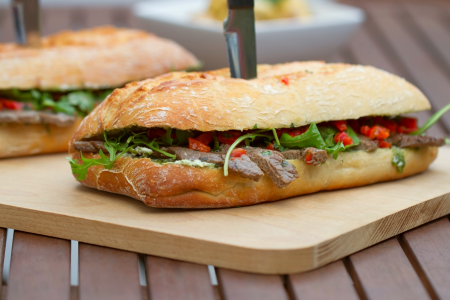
<point>264,9</point>
<point>329,26</point>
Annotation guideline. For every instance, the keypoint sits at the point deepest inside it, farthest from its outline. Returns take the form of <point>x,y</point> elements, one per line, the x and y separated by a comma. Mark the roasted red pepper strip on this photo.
<point>238,152</point>
<point>205,138</point>
<point>344,138</point>
<point>340,125</point>
<point>409,123</point>
<point>270,147</point>
<point>199,146</point>
<point>10,104</point>
<point>228,137</point>
<point>285,80</point>
<point>154,133</point>
<point>308,158</point>
<point>384,144</point>
<point>378,132</point>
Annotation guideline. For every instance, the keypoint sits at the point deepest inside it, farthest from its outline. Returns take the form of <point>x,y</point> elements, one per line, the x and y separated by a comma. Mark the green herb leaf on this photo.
<point>310,138</point>
<point>216,147</point>
<point>168,139</point>
<point>334,150</point>
<point>256,126</point>
<point>292,125</point>
<point>432,120</point>
<point>398,159</point>
<point>266,152</point>
<point>183,136</point>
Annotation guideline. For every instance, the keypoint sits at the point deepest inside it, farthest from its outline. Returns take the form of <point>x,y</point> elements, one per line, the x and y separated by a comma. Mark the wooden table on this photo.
<point>411,39</point>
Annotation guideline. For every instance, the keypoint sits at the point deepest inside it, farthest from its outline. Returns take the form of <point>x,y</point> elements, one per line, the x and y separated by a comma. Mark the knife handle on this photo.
<point>239,4</point>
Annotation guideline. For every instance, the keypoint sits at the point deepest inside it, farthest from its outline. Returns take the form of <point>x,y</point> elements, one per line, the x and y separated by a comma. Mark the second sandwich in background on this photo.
<point>44,93</point>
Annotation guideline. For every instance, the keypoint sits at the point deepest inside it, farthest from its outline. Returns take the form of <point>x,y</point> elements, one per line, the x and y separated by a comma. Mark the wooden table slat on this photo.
<point>107,273</point>
<point>429,247</point>
<point>55,20</point>
<point>40,268</point>
<point>170,279</point>
<point>430,20</point>
<point>329,282</point>
<point>427,74</point>
<point>6,26</point>
<point>2,255</point>
<point>236,285</point>
<point>384,272</point>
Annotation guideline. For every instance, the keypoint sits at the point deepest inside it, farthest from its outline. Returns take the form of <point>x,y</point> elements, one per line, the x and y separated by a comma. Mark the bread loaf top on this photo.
<point>296,93</point>
<point>102,57</point>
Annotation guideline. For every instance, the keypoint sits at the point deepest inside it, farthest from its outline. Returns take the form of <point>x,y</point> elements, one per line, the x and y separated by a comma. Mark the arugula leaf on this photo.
<point>328,134</point>
<point>334,150</point>
<point>432,120</point>
<point>256,126</point>
<point>168,140</point>
<point>310,138</point>
<point>398,159</point>
<point>142,139</point>
<point>81,170</point>
<point>183,136</point>
<point>216,147</point>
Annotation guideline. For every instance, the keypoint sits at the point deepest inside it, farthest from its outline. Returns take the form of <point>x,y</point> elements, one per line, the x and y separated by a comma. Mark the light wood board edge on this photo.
<point>265,261</point>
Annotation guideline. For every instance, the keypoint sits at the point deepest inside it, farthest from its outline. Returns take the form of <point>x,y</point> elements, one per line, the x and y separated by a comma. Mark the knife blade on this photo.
<point>239,31</point>
<point>27,22</point>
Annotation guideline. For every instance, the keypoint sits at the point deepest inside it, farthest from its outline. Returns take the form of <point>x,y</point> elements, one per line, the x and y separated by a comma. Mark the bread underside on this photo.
<point>179,186</point>
<point>104,57</point>
<point>23,139</point>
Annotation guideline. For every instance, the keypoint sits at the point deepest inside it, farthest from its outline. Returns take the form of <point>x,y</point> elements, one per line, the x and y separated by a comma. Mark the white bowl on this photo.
<point>278,41</point>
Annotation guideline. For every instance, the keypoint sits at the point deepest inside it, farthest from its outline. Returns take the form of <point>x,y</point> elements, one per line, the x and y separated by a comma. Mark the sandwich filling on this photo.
<point>48,107</point>
<point>258,152</point>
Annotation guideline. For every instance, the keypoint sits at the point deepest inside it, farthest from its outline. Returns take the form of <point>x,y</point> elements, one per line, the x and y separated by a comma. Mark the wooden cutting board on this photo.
<point>39,195</point>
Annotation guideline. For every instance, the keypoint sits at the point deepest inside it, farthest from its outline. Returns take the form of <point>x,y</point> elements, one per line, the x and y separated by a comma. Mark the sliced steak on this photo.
<point>22,116</point>
<point>414,141</point>
<point>59,119</point>
<point>273,164</point>
<point>366,144</point>
<point>99,145</point>
<point>85,146</point>
<point>210,157</point>
<point>318,156</point>
<point>36,117</point>
<point>245,167</point>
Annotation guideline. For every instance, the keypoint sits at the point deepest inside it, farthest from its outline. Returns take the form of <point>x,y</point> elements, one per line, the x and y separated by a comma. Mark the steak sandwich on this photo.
<point>45,92</point>
<point>205,140</point>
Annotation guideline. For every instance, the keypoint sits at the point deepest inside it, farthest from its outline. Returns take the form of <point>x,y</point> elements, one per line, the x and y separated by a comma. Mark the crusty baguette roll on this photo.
<point>212,101</point>
<point>178,186</point>
<point>97,58</point>
<point>315,92</point>
<point>24,139</point>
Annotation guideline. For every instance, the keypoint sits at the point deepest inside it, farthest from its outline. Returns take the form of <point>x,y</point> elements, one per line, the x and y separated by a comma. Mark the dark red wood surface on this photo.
<point>106,273</point>
<point>428,248</point>
<point>40,268</point>
<point>170,279</point>
<point>236,285</point>
<point>2,255</point>
<point>384,272</point>
<point>329,282</point>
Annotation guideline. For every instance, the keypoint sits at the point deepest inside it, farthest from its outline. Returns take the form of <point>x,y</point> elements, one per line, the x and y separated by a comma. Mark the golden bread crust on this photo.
<point>178,186</point>
<point>96,58</point>
<point>23,140</point>
<point>212,101</point>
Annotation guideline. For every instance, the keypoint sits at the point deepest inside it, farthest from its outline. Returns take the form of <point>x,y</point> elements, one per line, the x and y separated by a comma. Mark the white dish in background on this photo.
<point>316,37</point>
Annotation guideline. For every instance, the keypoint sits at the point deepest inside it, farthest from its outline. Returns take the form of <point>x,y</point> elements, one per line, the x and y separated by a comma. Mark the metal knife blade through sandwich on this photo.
<point>27,22</point>
<point>239,31</point>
